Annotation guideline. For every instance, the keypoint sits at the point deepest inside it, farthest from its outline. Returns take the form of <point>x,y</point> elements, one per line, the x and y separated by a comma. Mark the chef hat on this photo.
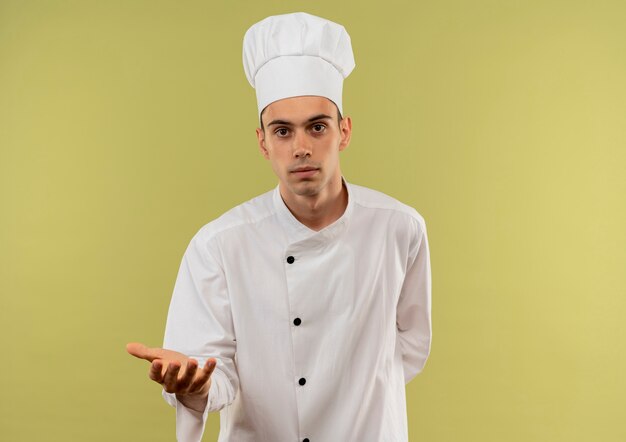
<point>297,54</point>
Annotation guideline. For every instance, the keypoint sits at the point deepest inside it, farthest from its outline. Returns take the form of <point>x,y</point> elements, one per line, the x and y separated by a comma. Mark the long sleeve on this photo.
<point>199,325</point>
<point>414,307</point>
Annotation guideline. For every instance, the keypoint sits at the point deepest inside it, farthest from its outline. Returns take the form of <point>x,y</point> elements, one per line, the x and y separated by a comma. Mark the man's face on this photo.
<point>302,139</point>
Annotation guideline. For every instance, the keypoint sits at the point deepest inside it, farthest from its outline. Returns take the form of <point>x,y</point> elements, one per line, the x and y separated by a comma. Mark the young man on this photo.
<point>308,307</point>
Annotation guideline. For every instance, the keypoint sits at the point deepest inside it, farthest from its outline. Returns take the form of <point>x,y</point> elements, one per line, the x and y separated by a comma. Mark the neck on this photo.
<point>319,210</point>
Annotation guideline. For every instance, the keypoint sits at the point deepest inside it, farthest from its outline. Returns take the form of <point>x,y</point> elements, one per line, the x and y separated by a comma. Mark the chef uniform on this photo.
<point>315,333</point>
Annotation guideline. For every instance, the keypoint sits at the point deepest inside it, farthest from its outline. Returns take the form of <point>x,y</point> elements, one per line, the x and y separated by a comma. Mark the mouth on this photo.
<point>303,169</point>
<point>304,172</point>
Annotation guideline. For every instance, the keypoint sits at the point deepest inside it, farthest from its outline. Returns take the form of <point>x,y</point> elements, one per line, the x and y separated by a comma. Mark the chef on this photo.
<point>301,314</point>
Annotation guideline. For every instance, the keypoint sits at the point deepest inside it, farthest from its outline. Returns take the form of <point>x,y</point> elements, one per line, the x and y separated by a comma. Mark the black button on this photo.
<point>302,381</point>
<point>297,321</point>
<point>306,439</point>
<point>290,259</point>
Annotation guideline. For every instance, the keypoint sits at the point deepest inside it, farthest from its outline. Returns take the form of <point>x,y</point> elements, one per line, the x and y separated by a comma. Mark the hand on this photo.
<point>177,374</point>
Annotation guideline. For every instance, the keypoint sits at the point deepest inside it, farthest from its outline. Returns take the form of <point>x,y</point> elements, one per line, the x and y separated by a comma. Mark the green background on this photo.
<point>127,125</point>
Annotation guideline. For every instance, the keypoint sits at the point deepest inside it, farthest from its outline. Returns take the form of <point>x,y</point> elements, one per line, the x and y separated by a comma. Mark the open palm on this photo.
<point>177,373</point>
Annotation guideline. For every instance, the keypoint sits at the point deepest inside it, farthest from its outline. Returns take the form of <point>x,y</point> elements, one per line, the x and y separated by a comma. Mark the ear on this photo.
<point>345,128</point>
<point>260,136</point>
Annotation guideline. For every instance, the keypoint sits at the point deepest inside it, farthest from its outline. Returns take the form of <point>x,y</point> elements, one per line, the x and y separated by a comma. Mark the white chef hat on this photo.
<point>297,54</point>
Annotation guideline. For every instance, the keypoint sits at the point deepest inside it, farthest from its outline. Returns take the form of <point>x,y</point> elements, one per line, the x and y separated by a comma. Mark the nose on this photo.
<point>301,145</point>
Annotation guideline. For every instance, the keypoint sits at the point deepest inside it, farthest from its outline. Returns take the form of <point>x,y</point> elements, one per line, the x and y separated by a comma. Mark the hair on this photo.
<point>339,117</point>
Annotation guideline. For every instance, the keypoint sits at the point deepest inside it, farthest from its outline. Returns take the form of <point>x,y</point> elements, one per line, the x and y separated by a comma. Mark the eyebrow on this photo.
<point>315,118</point>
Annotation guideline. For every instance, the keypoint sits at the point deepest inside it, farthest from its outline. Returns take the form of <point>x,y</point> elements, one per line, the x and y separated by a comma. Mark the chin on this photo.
<point>305,188</point>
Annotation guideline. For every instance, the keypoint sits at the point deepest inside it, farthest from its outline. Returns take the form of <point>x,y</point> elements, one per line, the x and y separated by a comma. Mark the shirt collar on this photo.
<point>296,231</point>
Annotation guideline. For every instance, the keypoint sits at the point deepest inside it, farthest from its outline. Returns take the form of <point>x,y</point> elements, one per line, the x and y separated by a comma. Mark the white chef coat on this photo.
<point>315,333</point>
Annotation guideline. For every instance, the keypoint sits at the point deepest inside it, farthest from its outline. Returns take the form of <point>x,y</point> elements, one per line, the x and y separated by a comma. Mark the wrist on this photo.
<point>196,402</point>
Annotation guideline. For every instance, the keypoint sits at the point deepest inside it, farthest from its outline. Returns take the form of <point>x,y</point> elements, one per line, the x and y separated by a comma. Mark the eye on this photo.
<point>318,128</point>
<point>281,131</point>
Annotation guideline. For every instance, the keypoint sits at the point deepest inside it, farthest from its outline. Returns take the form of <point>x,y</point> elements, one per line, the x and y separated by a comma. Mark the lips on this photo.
<point>304,172</point>
<point>304,169</point>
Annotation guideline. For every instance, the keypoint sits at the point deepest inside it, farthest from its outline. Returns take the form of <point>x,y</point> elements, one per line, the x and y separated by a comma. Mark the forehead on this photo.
<point>299,109</point>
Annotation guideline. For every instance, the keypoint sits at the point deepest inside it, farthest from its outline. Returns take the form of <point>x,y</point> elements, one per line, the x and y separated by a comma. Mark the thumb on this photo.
<point>141,351</point>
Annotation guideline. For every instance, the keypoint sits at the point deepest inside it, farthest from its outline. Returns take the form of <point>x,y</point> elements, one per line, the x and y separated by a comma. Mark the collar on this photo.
<point>299,233</point>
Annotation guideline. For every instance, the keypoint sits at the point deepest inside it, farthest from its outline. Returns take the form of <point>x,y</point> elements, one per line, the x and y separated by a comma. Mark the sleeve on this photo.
<point>199,325</point>
<point>413,317</point>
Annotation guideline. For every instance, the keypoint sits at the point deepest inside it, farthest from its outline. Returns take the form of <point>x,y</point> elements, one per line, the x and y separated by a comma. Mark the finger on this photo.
<point>204,375</point>
<point>156,371</point>
<point>141,351</point>
<point>170,379</point>
<point>188,375</point>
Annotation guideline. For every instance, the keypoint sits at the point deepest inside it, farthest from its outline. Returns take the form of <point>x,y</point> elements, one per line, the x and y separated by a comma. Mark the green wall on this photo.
<point>127,125</point>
